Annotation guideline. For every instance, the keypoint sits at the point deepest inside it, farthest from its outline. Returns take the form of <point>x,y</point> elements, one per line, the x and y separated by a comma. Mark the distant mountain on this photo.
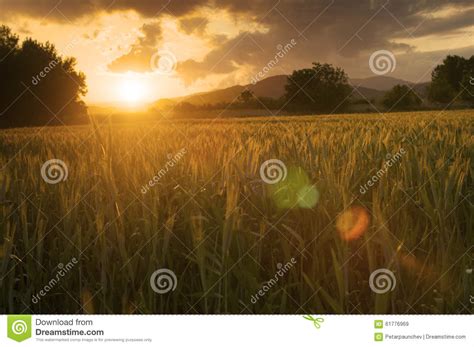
<point>421,89</point>
<point>372,88</point>
<point>383,83</point>
<point>366,93</point>
<point>271,87</point>
<point>212,97</point>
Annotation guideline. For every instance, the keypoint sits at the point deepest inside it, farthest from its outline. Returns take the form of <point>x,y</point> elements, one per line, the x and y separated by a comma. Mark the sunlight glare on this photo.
<point>131,90</point>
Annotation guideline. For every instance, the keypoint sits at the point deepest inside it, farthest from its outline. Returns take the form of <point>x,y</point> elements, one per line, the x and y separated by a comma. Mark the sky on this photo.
<point>143,50</point>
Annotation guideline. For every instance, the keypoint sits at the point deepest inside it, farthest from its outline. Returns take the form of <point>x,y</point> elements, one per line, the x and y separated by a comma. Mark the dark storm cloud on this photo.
<point>72,9</point>
<point>225,59</point>
<point>326,30</point>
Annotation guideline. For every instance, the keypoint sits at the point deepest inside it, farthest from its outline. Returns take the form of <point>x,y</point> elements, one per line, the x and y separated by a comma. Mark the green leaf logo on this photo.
<point>19,327</point>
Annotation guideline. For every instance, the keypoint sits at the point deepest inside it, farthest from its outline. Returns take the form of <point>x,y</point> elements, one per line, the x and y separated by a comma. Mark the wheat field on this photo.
<point>188,196</point>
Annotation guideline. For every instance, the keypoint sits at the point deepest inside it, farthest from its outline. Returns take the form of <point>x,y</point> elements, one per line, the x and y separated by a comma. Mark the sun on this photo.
<point>132,90</point>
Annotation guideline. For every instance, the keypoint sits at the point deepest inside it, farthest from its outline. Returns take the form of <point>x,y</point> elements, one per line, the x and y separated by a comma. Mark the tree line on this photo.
<point>40,87</point>
<point>324,88</point>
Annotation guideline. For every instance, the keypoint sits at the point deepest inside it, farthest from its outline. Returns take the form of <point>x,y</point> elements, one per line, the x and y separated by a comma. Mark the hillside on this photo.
<point>371,88</point>
<point>382,83</point>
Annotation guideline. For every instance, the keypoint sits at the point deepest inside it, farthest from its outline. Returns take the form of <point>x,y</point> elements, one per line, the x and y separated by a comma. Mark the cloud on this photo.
<point>141,52</point>
<point>193,25</point>
<point>446,25</point>
<point>228,57</point>
<point>66,10</point>
<point>343,32</point>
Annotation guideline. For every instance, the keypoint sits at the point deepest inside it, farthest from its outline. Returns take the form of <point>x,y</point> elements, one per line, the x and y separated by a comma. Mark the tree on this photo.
<point>450,79</point>
<point>246,97</point>
<point>323,88</point>
<point>39,86</point>
<point>401,97</point>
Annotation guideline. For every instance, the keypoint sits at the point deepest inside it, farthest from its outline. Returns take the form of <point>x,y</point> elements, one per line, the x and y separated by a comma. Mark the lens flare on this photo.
<point>420,268</point>
<point>353,223</point>
<point>295,191</point>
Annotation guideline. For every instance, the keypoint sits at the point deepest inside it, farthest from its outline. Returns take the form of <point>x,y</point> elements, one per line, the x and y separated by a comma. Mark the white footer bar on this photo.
<point>236,330</point>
